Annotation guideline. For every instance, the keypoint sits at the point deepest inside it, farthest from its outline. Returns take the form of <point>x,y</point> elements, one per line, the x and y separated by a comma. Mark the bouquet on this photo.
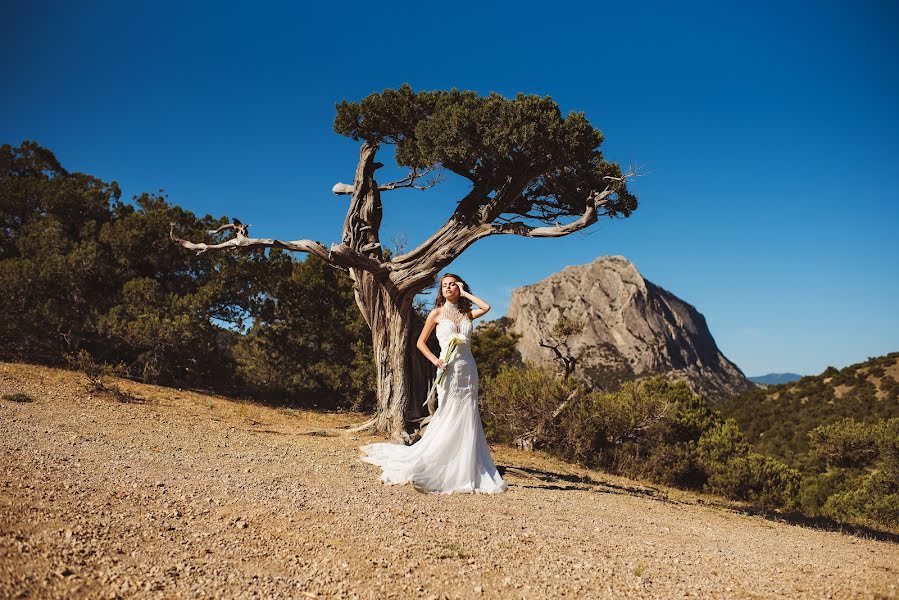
<point>454,342</point>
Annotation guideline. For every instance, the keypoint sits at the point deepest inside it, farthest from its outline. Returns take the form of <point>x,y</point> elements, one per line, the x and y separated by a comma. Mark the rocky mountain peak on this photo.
<point>632,328</point>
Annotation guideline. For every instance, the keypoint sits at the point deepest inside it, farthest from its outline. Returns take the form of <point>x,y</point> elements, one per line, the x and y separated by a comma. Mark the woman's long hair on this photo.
<point>464,304</point>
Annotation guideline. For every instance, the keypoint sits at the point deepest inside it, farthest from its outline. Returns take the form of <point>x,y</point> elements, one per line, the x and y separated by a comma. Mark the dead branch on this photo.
<point>343,189</point>
<point>362,427</point>
<point>347,189</point>
<point>528,440</point>
<point>568,362</point>
<point>338,255</point>
<point>409,181</point>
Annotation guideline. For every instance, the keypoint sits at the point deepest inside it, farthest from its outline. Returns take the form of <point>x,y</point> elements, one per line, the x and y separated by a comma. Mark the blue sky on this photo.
<point>769,134</point>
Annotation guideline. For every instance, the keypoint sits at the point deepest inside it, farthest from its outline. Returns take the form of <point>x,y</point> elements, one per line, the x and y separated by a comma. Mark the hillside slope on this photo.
<point>186,495</point>
<point>777,419</point>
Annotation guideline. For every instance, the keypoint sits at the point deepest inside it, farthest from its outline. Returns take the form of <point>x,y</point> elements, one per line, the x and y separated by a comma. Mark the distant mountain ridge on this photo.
<point>633,328</point>
<point>775,378</point>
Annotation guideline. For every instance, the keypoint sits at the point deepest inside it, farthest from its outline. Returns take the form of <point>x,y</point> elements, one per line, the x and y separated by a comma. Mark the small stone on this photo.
<point>241,524</point>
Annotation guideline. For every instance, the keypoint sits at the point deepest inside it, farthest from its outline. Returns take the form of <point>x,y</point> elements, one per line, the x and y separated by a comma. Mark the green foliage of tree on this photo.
<point>764,481</point>
<point>83,273</point>
<point>816,488</point>
<point>485,139</point>
<point>48,273</point>
<point>494,345</point>
<point>846,443</point>
<point>308,343</point>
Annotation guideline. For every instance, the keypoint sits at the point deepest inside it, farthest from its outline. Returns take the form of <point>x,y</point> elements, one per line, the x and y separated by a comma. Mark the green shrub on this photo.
<point>521,399</point>
<point>886,436</point>
<point>95,372</point>
<point>763,481</point>
<point>721,443</point>
<point>872,501</point>
<point>816,488</point>
<point>736,472</point>
<point>845,443</point>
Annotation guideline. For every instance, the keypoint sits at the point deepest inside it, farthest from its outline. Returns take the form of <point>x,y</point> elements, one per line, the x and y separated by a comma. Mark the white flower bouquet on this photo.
<point>455,341</point>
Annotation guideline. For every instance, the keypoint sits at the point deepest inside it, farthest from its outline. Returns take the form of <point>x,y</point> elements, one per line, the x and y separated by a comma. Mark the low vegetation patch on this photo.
<point>18,397</point>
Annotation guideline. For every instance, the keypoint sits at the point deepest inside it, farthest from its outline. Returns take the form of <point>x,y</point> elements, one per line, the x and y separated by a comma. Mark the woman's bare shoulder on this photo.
<point>435,313</point>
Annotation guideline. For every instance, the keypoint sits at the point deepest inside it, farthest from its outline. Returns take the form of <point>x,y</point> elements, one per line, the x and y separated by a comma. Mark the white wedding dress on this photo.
<point>452,454</point>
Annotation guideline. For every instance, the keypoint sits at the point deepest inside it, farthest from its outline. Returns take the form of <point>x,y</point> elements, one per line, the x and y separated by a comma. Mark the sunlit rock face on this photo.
<point>633,328</point>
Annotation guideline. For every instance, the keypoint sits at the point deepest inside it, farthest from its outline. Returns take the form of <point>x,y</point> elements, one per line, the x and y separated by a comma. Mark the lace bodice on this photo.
<point>445,330</point>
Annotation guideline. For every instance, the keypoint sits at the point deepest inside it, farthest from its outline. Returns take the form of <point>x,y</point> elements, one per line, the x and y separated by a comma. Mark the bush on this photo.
<point>761,480</point>
<point>98,374</point>
<point>872,501</point>
<point>865,487</point>
<point>640,414</point>
<point>845,443</point>
<point>886,436</point>
<point>95,372</point>
<point>817,488</point>
<point>722,443</point>
<point>522,399</point>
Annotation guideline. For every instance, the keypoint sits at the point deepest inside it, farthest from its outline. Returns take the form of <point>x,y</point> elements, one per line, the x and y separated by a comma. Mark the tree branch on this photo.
<point>588,218</point>
<point>409,181</point>
<point>568,362</point>
<point>339,254</point>
<point>594,203</point>
<point>504,197</point>
<point>346,189</point>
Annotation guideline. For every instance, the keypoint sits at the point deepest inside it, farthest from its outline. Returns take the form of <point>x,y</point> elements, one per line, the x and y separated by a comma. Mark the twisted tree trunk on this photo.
<point>402,372</point>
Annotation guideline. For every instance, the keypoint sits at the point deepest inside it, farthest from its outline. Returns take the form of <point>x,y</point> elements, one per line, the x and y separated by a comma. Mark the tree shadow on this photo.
<point>817,523</point>
<point>557,481</point>
<point>570,482</point>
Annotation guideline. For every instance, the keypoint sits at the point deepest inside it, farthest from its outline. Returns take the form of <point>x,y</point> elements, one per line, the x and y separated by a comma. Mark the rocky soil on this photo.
<point>180,494</point>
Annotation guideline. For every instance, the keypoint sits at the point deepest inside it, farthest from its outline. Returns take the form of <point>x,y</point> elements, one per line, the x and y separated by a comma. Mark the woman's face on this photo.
<point>449,288</point>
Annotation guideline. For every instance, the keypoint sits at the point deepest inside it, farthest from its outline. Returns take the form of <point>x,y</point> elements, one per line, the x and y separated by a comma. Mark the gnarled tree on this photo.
<point>532,173</point>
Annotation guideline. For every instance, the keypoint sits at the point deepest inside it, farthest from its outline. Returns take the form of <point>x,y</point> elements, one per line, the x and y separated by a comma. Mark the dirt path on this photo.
<point>187,495</point>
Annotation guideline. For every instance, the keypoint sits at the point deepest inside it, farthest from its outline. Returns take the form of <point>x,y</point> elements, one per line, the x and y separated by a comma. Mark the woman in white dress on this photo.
<point>452,454</point>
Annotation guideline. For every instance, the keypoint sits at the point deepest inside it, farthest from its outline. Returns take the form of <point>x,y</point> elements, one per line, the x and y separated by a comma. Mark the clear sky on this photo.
<point>769,133</point>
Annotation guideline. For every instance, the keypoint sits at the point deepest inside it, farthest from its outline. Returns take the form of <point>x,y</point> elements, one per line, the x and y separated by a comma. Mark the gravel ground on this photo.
<point>188,495</point>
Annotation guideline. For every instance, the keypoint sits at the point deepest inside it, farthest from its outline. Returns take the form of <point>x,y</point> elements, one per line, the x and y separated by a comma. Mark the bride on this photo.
<point>452,454</point>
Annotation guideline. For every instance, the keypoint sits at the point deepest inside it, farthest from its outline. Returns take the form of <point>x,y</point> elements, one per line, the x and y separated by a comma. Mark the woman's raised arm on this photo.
<point>483,307</point>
